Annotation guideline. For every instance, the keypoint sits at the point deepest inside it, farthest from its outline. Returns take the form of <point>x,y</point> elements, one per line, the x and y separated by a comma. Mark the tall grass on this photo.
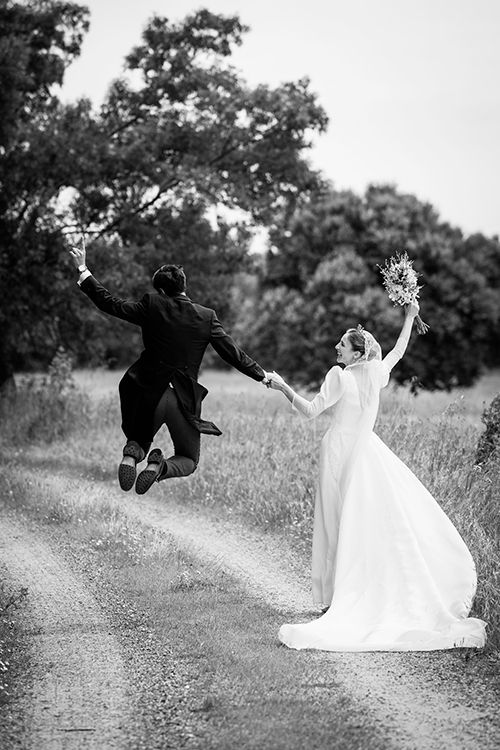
<point>45,407</point>
<point>263,470</point>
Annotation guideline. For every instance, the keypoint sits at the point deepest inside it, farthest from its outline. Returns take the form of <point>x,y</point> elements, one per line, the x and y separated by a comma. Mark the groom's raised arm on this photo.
<point>231,353</point>
<point>129,310</point>
<point>132,312</point>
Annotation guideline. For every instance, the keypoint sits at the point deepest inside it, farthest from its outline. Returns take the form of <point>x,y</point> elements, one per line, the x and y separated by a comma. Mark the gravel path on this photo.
<point>426,700</point>
<point>79,697</point>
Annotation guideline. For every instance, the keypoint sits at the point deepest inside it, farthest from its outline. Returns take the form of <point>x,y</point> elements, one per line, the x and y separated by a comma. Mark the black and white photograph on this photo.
<point>249,375</point>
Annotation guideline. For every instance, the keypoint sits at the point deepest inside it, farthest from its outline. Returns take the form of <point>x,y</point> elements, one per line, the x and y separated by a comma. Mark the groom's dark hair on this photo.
<point>170,279</point>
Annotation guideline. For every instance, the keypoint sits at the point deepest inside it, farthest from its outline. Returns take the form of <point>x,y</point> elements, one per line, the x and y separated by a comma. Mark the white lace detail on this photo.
<point>372,347</point>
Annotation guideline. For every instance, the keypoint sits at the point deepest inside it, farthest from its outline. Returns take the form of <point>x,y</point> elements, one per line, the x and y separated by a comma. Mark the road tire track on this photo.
<point>79,691</point>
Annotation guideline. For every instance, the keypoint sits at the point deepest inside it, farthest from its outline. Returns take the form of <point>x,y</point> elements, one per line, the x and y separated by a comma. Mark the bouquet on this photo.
<point>400,282</point>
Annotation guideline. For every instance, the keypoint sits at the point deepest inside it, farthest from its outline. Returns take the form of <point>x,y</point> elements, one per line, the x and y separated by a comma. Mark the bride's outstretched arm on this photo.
<point>330,392</point>
<point>411,311</point>
<point>278,384</point>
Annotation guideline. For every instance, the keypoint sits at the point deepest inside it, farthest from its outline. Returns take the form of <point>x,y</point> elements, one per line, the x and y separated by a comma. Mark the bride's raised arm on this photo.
<point>411,311</point>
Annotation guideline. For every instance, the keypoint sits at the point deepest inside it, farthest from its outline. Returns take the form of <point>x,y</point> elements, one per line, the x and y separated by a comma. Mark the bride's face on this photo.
<point>345,353</point>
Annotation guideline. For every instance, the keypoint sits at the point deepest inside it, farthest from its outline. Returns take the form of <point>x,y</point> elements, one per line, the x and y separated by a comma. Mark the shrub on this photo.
<point>47,407</point>
<point>489,441</point>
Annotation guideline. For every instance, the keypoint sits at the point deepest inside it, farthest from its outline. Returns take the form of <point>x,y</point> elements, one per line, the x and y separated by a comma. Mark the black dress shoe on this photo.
<point>150,474</point>
<point>126,476</point>
<point>126,471</point>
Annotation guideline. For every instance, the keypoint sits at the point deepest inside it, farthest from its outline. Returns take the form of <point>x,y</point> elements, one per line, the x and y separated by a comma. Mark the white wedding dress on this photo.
<point>389,563</point>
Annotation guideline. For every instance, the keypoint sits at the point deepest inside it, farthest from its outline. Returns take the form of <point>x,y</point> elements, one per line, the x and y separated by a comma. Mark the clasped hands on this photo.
<point>274,380</point>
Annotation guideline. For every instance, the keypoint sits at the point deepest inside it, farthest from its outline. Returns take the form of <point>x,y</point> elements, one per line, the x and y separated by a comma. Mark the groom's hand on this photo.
<point>78,255</point>
<point>267,379</point>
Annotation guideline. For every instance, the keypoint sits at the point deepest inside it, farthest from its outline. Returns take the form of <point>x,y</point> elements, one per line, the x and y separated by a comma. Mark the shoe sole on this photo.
<point>145,480</point>
<point>126,476</point>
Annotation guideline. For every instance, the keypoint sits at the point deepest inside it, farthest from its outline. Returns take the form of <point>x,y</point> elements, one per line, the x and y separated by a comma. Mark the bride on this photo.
<point>389,569</point>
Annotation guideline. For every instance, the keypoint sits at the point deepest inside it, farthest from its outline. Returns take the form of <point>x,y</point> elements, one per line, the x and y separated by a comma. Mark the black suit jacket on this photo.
<point>175,333</point>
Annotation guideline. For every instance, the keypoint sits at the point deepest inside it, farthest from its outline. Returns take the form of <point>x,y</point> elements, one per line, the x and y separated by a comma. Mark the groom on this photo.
<point>162,385</point>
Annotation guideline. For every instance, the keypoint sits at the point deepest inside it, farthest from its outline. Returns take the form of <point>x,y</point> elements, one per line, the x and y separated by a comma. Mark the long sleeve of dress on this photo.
<point>331,390</point>
<point>393,357</point>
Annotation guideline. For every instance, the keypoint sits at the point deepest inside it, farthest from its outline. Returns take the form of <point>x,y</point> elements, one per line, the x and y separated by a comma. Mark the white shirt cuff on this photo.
<point>84,275</point>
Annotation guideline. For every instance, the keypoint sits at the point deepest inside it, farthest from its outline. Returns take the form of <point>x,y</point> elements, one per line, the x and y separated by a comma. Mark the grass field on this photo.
<point>100,383</point>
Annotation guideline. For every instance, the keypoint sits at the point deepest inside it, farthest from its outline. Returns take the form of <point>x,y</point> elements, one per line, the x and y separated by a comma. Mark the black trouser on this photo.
<point>142,417</point>
<point>185,437</point>
<point>138,407</point>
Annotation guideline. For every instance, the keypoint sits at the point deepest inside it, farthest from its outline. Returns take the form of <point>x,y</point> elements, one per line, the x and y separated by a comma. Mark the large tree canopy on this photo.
<point>180,135</point>
<point>185,125</point>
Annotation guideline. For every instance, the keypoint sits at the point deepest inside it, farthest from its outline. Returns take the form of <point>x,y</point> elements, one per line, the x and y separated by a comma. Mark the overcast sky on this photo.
<point>412,87</point>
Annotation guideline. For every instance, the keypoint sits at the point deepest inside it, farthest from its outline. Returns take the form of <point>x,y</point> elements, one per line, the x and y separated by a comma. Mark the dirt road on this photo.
<point>435,700</point>
<point>80,692</point>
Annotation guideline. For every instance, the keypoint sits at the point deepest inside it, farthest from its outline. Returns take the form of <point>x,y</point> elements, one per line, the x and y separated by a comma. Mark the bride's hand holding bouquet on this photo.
<point>412,311</point>
<point>401,285</point>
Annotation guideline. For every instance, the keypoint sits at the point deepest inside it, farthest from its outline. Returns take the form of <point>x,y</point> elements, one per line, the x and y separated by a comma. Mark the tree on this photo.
<point>195,128</point>
<point>190,130</point>
<point>37,41</point>
<point>327,254</point>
